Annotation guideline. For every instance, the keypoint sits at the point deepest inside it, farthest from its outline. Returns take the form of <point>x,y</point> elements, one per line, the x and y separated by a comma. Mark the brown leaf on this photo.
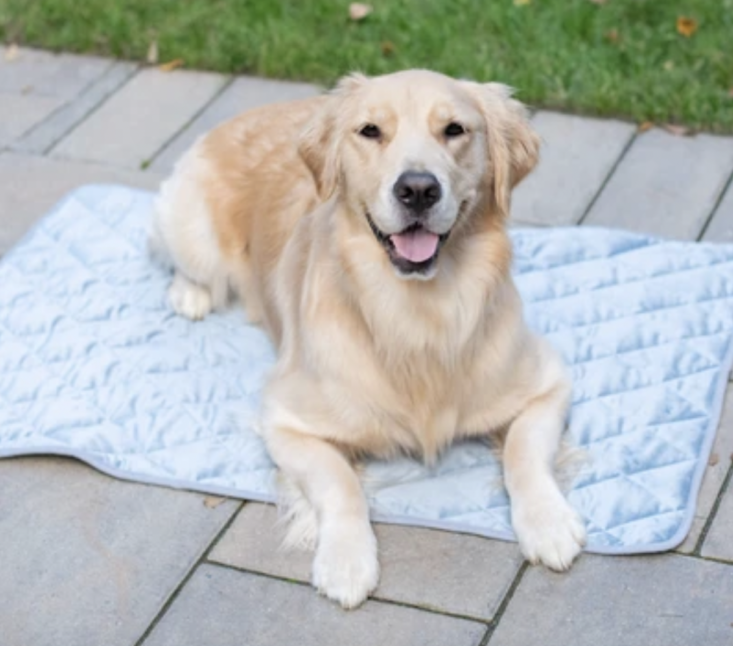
<point>677,131</point>
<point>212,502</point>
<point>714,459</point>
<point>388,48</point>
<point>152,56</point>
<point>644,126</point>
<point>359,10</point>
<point>686,26</point>
<point>612,35</point>
<point>171,65</point>
<point>11,53</point>
<point>730,93</point>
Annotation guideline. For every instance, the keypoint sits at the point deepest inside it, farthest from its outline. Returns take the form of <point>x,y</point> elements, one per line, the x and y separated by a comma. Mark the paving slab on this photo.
<point>719,541</point>
<point>137,121</point>
<point>34,84</point>
<point>665,185</point>
<point>720,459</point>
<point>639,601</point>
<point>48,132</point>
<point>576,157</point>
<point>243,94</point>
<point>88,559</point>
<point>475,573</point>
<point>31,185</point>
<point>223,607</point>
<point>720,228</point>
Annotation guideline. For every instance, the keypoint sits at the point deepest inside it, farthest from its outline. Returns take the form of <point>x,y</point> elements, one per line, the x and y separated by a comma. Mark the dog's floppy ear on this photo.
<point>319,142</point>
<point>513,144</point>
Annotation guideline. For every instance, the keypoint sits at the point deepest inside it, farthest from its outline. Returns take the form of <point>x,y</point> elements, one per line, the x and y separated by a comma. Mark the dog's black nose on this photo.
<point>417,191</point>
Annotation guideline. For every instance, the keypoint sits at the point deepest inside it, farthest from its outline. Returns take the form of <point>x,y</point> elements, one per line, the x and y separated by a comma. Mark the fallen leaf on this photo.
<point>212,502</point>
<point>152,56</point>
<point>612,36</point>
<point>11,53</point>
<point>644,126</point>
<point>668,66</point>
<point>714,459</point>
<point>521,3</point>
<point>677,131</point>
<point>388,48</point>
<point>359,11</point>
<point>730,93</point>
<point>171,65</point>
<point>686,26</point>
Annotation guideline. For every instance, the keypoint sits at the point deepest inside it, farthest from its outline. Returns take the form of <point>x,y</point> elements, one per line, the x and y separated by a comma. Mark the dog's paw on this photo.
<point>189,299</point>
<point>346,568</point>
<point>549,531</point>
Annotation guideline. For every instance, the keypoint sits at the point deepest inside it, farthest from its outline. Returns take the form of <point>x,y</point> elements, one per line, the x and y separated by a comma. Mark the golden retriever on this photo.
<point>365,230</point>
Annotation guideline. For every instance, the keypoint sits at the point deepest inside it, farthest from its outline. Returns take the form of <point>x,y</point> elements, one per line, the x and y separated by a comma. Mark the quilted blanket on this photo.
<point>95,365</point>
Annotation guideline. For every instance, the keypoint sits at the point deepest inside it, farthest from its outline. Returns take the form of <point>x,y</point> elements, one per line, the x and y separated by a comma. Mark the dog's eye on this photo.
<point>370,131</point>
<point>454,129</point>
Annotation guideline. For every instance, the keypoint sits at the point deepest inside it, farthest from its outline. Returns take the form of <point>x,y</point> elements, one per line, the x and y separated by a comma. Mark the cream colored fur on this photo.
<point>272,207</point>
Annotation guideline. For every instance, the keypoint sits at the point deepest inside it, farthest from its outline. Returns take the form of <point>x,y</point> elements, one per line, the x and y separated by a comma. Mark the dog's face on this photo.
<point>415,155</point>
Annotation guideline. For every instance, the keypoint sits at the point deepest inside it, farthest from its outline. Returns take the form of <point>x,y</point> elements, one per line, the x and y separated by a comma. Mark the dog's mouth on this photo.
<point>413,250</point>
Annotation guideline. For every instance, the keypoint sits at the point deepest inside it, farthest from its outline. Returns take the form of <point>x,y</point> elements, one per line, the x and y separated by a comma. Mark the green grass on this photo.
<point>557,53</point>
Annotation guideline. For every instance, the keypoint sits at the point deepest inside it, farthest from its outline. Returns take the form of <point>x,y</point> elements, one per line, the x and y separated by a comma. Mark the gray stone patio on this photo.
<point>91,560</point>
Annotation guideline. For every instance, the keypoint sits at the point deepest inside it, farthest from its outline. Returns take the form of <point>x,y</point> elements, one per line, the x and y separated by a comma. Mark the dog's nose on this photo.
<point>417,191</point>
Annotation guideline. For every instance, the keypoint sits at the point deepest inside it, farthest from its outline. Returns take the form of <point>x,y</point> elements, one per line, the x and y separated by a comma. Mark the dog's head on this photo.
<point>416,155</point>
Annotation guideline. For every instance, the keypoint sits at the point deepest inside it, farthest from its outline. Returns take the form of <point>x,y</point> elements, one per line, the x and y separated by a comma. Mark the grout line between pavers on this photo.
<point>697,551</point>
<point>167,144</point>
<point>187,577</point>
<point>609,175</point>
<point>91,112</point>
<point>504,604</point>
<point>728,185</point>
<point>393,602</point>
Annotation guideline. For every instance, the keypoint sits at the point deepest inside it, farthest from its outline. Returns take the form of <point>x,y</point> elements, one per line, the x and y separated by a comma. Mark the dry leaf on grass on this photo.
<point>644,126</point>
<point>714,459</point>
<point>677,131</point>
<point>171,65</point>
<point>152,56</point>
<point>521,3</point>
<point>388,48</point>
<point>359,11</point>
<point>11,53</point>
<point>612,35</point>
<point>212,502</point>
<point>686,26</point>
<point>730,93</point>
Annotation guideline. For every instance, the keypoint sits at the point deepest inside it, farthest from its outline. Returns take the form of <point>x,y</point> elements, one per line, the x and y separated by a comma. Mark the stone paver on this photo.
<point>33,84</point>
<point>88,559</point>
<point>719,541</point>
<point>475,572</point>
<point>720,228</point>
<point>666,185</point>
<point>243,94</point>
<point>47,133</point>
<point>714,474</point>
<point>576,157</point>
<point>31,185</point>
<point>642,601</point>
<point>222,607</point>
<point>136,122</point>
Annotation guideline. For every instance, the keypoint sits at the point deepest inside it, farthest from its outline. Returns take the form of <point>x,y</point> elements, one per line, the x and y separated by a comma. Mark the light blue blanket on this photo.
<point>94,364</point>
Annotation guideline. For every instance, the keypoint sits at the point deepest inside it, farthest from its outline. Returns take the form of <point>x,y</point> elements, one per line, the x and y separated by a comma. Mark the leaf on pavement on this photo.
<point>171,65</point>
<point>677,131</point>
<point>644,126</point>
<point>212,502</point>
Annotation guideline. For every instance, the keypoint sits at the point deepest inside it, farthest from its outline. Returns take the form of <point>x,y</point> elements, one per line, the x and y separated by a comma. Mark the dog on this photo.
<point>364,229</point>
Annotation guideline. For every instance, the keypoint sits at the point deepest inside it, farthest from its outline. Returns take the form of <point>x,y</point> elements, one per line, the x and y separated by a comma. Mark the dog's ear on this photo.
<point>319,142</point>
<point>513,144</point>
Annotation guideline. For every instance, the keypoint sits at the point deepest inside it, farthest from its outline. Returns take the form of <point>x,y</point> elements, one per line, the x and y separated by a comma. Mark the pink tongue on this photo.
<point>415,246</point>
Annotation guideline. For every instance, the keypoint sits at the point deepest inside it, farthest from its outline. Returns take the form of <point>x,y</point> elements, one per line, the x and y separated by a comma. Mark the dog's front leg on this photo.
<point>345,568</point>
<point>548,529</point>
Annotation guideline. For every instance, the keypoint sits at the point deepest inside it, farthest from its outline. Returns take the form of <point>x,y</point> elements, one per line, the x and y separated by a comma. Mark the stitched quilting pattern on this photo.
<point>94,364</point>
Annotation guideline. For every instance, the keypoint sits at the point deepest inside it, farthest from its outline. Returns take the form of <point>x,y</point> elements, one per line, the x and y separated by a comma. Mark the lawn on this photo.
<point>622,58</point>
